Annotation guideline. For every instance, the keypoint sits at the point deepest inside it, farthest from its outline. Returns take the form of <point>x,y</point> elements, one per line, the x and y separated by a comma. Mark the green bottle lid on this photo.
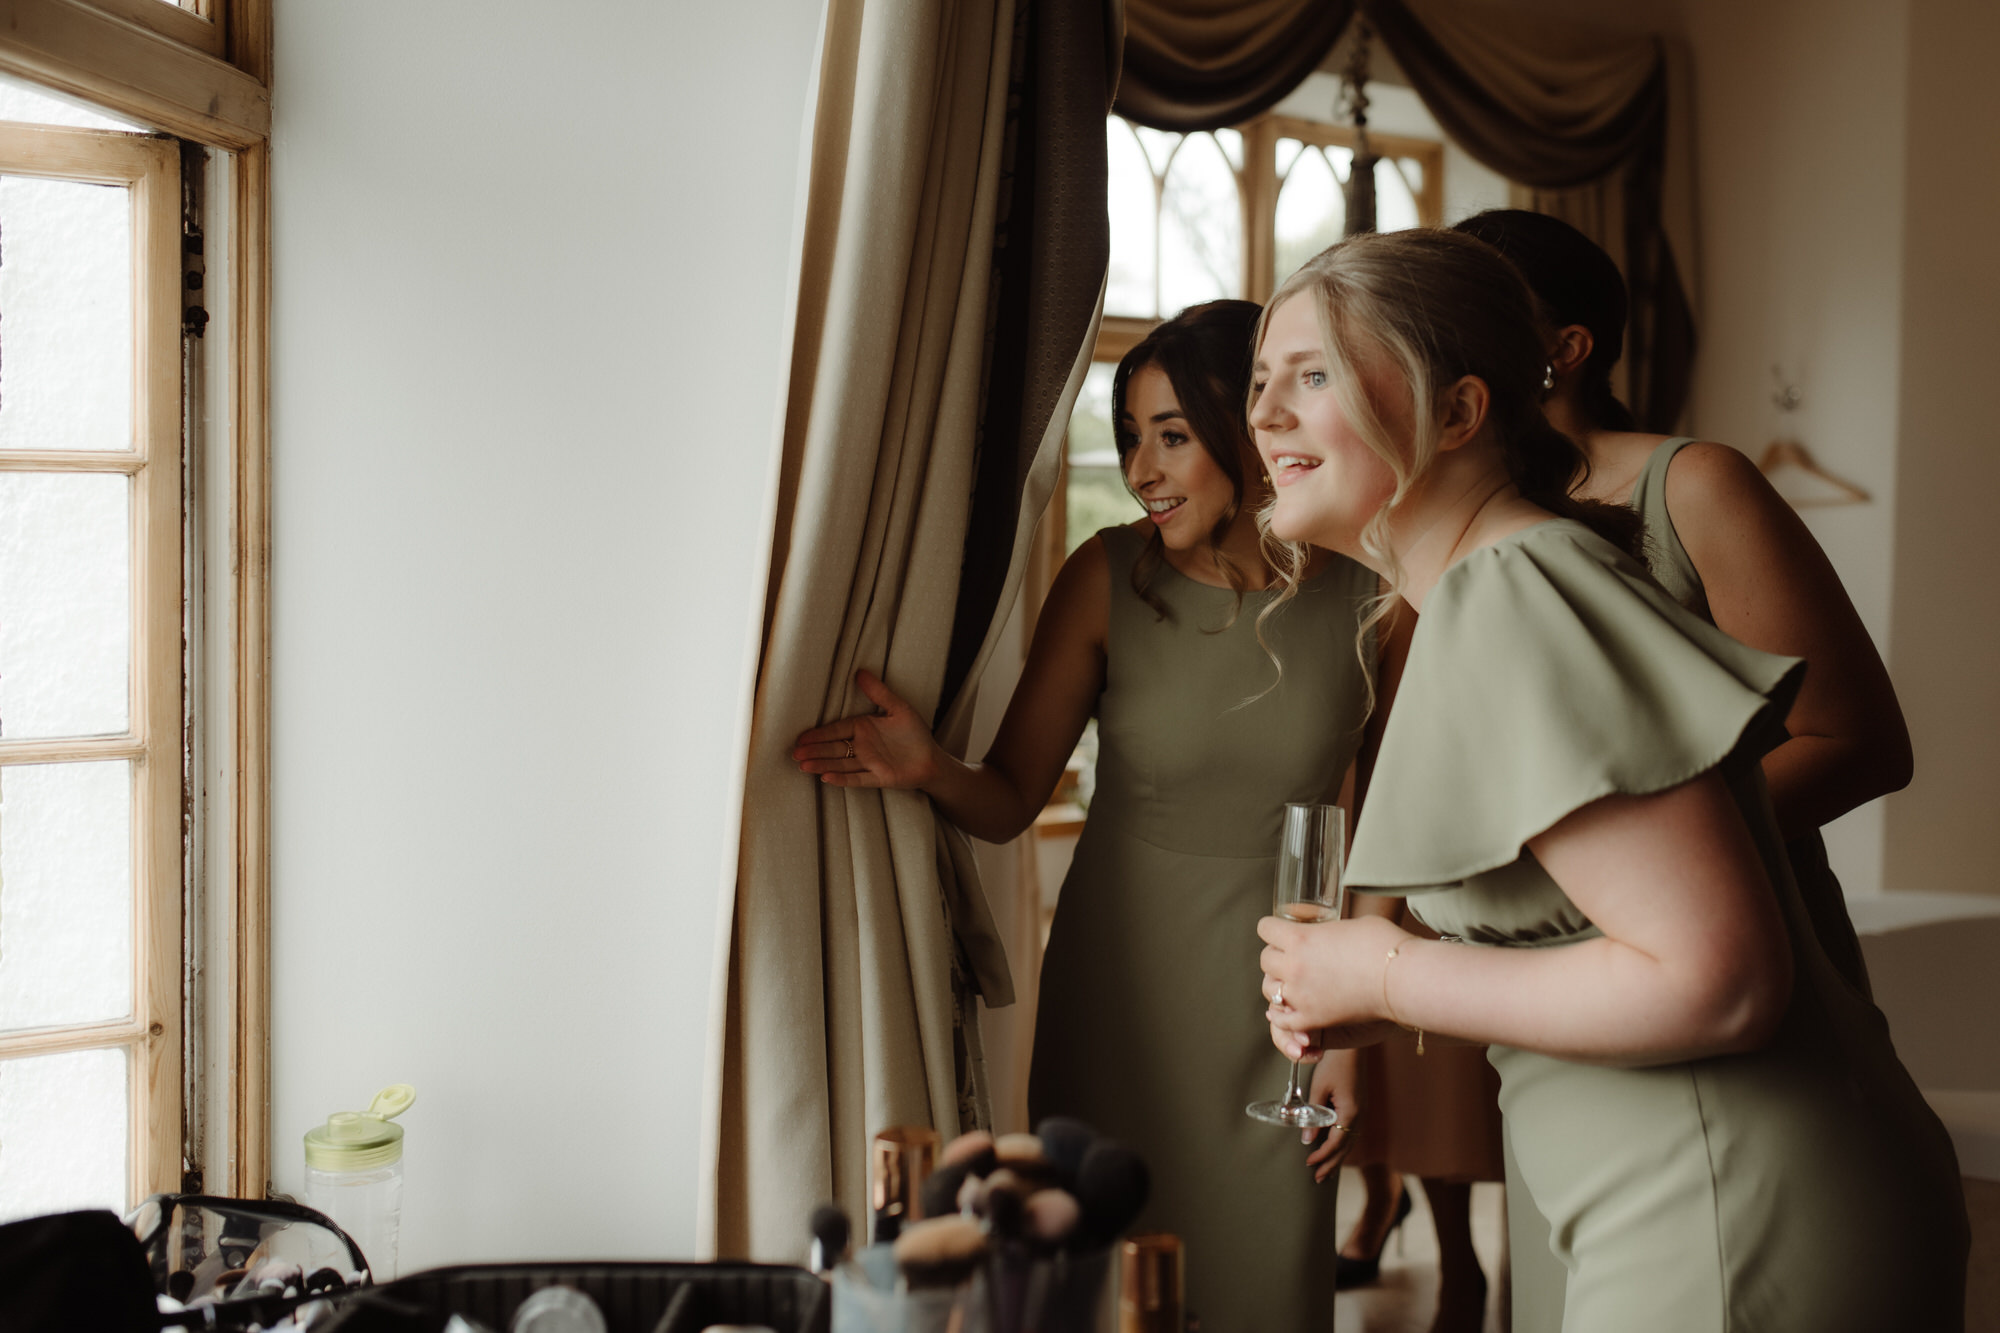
<point>361,1140</point>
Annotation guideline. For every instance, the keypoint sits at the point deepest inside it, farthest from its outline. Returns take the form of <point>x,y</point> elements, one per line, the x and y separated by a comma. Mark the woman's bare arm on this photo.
<point>1694,960</point>
<point>1000,796</point>
<point>1771,586</point>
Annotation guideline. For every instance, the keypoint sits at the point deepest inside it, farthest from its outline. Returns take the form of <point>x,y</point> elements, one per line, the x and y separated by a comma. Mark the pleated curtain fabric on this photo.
<point>1579,119</point>
<point>858,938</point>
<point>1203,64</point>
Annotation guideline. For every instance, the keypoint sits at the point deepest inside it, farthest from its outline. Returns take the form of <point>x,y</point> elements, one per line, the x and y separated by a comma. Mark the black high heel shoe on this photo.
<point>1360,1272</point>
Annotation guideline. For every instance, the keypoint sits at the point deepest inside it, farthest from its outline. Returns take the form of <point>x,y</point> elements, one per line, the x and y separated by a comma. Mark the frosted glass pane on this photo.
<point>1201,228</point>
<point>65,894</point>
<point>66,308</point>
<point>1232,146</point>
<point>65,604</point>
<point>1096,496</point>
<point>1310,213</point>
<point>1288,154</point>
<point>1090,439</point>
<point>63,1133</point>
<point>23,101</point>
<point>1160,147</point>
<point>1395,206</point>
<point>1131,202</point>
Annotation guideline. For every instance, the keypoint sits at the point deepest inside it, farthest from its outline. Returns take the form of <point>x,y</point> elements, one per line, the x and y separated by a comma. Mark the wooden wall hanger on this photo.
<point>1791,469</point>
<point>1803,483</point>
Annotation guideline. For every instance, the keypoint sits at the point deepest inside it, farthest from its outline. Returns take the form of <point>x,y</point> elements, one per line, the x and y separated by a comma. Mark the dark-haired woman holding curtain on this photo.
<point>1148,1026</point>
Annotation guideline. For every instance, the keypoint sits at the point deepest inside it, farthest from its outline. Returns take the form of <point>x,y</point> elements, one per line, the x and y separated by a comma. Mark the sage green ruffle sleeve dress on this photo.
<point>1151,1020</point>
<point>1803,1187</point>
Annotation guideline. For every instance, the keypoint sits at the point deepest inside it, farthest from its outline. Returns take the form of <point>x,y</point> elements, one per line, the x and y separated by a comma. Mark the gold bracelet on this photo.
<point>1389,1009</point>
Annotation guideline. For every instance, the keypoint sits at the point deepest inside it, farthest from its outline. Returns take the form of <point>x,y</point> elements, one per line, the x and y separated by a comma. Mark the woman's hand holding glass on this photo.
<point>888,748</point>
<point>1329,978</point>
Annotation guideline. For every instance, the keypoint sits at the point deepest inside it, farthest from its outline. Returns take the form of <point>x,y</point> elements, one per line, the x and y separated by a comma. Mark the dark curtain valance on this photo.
<point>1551,114</point>
<point>1199,64</point>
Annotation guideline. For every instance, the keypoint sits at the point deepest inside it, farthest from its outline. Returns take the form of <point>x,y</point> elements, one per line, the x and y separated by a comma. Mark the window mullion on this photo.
<point>157,674</point>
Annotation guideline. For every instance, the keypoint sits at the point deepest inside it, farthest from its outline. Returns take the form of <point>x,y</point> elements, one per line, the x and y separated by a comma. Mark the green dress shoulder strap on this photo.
<point>1664,552</point>
<point>1677,574</point>
<point>1548,670</point>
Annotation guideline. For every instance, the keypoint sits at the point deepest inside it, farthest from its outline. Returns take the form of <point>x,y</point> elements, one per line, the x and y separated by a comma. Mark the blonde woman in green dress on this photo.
<point>1568,790</point>
<point>1144,1027</point>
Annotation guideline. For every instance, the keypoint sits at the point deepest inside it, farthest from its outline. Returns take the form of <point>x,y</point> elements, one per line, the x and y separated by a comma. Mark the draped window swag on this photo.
<point>1579,121</point>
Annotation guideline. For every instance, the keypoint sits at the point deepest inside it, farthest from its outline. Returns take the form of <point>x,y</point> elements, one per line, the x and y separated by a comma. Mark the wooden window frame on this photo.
<point>218,99</point>
<point>199,26</point>
<point>1260,184</point>
<point>150,169</point>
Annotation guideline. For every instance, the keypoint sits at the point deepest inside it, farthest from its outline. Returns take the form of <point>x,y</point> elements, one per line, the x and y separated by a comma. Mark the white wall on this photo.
<point>527,356</point>
<point>1801,216</point>
<point>1846,197</point>
<point>1946,623</point>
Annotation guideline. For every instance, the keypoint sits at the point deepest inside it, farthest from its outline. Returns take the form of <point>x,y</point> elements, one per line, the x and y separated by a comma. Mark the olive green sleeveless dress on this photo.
<point>1151,1020</point>
<point>1802,1188</point>
<point>1537,1279</point>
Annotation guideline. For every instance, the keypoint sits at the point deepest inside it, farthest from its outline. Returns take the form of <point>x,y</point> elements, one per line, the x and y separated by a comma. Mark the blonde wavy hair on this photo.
<point>1435,307</point>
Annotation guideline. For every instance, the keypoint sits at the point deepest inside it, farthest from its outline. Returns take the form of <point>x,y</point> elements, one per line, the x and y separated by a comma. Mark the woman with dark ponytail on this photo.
<point>1160,629</point>
<point>1568,790</point>
<point>1728,548</point>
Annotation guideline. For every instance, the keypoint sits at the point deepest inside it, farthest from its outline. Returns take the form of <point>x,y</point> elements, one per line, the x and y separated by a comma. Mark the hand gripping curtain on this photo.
<point>916,459</point>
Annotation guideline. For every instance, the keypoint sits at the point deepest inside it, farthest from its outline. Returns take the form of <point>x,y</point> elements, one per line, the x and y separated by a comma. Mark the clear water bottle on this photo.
<point>354,1174</point>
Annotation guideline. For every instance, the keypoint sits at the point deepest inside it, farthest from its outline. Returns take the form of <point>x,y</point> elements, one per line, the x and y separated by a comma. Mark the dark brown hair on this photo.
<point>1205,353</point>
<point>1574,282</point>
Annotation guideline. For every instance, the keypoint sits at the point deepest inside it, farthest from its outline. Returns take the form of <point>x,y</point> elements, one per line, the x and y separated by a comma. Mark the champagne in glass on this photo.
<point>1308,890</point>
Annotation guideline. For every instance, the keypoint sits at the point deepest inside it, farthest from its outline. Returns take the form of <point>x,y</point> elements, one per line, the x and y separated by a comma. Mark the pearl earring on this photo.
<point>1548,377</point>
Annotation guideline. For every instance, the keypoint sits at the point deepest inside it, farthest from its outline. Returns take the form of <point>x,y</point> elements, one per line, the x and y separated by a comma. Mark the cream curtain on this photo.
<point>859,939</point>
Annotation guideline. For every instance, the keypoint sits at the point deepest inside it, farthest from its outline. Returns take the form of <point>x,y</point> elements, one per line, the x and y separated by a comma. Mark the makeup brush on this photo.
<point>1024,1155</point>
<point>1002,1203</point>
<point>939,1195</point>
<point>973,1149</point>
<point>831,1233</point>
<point>1112,1185</point>
<point>939,1252</point>
<point>1064,1142</point>
<point>1051,1217</point>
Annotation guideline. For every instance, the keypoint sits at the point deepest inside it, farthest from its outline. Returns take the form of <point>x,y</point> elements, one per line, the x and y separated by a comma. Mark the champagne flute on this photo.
<point>1308,889</point>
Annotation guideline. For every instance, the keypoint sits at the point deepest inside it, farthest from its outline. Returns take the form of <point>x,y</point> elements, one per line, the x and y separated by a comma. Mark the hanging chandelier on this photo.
<point>1358,190</point>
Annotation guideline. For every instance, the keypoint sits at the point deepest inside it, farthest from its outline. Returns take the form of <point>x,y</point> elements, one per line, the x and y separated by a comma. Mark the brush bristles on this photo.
<point>940,1251</point>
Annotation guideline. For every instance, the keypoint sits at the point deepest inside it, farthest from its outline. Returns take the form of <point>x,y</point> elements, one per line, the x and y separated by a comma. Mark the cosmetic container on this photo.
<point>354,1174</point>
